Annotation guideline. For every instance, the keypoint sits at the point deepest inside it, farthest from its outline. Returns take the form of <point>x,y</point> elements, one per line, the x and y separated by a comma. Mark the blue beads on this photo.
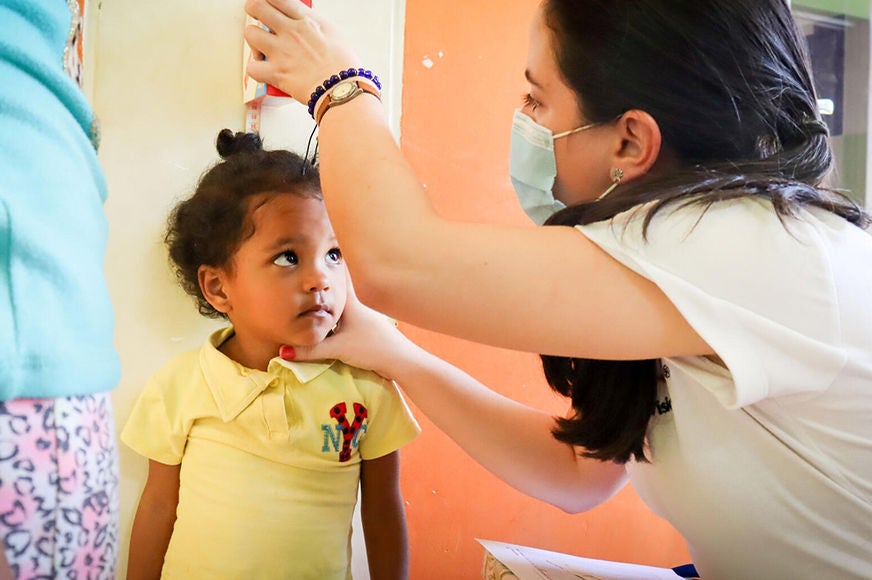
<point>335,79</point>
<point>313,98</point>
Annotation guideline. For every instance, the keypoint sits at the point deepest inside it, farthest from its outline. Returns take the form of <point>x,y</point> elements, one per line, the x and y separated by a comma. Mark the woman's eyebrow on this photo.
<point>530,78</point>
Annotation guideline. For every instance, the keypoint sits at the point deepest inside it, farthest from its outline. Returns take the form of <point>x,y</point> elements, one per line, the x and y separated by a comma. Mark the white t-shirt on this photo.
<point>765,466</point>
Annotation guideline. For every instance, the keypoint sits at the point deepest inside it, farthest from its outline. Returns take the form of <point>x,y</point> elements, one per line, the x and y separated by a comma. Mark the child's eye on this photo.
<point>334,256</point>
<point>286,259</point>
<point>529,101</point>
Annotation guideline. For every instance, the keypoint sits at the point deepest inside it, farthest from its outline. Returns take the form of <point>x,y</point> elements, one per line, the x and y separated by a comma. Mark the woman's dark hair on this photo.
<point>729,85</point>
<point>208,227</point>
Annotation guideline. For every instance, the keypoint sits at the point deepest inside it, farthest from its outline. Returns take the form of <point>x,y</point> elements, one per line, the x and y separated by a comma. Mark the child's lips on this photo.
<point>318,311</point>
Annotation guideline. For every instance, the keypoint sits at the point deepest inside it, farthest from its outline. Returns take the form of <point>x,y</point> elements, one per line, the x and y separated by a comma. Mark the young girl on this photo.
<point>254,462</point>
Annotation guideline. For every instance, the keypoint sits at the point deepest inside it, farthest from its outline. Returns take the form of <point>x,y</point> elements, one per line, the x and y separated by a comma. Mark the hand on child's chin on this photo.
<point>363,338</point>
<point>311,337</point>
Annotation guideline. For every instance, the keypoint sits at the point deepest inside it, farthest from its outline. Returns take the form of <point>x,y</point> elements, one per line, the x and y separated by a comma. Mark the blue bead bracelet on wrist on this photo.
<point>330,82</point>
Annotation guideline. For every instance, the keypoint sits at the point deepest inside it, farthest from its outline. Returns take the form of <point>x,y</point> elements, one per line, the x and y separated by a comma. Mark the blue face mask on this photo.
<point>533,167</point>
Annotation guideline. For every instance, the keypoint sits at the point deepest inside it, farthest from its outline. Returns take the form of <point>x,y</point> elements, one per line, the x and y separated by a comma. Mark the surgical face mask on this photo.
<point>533,167</point>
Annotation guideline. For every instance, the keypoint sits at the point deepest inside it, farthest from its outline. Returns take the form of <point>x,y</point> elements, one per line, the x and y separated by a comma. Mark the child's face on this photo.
<point>287,284</point>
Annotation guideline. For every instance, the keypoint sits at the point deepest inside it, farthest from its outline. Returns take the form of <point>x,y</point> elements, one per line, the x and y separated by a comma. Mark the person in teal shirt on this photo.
<point>58,457</point>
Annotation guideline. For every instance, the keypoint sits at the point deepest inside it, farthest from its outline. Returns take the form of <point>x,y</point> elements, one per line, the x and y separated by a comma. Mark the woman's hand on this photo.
<point>299,51</point>
<point>364,338</point>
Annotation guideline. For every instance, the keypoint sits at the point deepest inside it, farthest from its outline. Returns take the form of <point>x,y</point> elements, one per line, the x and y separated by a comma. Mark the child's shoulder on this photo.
<point>357,374</point>
<point>180,383</point>
<point>370,384</point>
<point>182,367</point>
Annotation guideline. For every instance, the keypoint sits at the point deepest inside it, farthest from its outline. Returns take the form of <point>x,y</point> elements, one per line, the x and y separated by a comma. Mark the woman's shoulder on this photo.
<point>698,217</point>
<point>789,269</point>
<point>748,230</point>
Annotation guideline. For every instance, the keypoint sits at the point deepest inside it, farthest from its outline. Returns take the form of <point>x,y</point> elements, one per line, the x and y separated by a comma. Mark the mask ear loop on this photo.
<point>617,175</point>
<point>306,162</point>
<point>576,130</point>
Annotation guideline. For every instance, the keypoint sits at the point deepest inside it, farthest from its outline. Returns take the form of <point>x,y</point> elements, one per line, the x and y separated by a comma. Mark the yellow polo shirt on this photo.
<point>270,461</point>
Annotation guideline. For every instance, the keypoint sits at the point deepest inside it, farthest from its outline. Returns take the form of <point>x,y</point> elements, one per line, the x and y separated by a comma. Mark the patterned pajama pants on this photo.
<point>59,487</point>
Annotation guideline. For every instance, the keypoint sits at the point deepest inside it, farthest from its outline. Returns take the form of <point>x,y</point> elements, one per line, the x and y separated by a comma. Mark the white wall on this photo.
<point>164,77</point>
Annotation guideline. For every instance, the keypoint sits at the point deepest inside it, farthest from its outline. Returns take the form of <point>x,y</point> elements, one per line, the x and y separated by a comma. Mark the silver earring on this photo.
<point>617,174</point>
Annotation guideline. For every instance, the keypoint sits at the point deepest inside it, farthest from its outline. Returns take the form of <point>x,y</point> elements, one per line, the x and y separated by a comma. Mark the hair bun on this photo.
<point>816,127</point>
<point>230,143</point>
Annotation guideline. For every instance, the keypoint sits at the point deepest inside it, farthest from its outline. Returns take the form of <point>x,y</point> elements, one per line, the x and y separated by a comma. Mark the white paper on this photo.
<point>535,564</point>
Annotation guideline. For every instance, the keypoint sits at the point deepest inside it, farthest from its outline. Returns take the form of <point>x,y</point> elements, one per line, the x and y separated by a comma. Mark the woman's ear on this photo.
<point>640,144</point>
<point>212,286</point>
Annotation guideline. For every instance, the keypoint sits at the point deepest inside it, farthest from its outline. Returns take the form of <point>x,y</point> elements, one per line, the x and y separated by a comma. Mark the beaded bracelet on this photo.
<point>329,99</point>
<point>321,90</point>
<point>363,83</point>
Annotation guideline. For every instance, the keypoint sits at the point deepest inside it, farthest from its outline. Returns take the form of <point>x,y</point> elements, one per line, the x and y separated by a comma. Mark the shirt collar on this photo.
<point>235,386</point>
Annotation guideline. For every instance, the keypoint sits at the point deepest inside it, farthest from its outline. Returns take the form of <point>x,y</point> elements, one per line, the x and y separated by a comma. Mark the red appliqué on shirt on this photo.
<point>339,413</point>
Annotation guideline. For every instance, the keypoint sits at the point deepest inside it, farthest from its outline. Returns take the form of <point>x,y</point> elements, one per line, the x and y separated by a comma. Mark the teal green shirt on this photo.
<point>56,321</point>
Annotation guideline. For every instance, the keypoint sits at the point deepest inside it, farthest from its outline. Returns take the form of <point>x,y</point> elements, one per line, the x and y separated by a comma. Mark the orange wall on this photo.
<point>455,132</point>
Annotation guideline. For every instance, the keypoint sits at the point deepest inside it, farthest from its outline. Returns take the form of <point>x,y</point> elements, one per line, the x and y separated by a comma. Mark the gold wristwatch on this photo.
<point>341,93</point>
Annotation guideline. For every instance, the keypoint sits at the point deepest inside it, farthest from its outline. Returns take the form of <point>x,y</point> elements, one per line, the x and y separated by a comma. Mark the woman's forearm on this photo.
<point>511,440</point>
<point>375,202</point>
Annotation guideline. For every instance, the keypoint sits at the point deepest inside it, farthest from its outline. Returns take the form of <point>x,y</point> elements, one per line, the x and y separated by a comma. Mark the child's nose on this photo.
<point>317,280</point>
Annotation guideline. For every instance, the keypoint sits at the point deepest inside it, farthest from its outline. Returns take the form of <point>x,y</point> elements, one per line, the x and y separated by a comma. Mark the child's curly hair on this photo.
<point>208,227</point>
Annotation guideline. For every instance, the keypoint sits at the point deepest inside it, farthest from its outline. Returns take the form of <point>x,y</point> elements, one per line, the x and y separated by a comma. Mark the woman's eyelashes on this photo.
<point>528,101</point>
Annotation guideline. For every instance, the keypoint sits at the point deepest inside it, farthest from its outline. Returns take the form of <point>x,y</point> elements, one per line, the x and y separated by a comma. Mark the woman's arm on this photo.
<point>153,523</point>
<point>509,439</point>
<point>384,518</point>
<point>544,290</point>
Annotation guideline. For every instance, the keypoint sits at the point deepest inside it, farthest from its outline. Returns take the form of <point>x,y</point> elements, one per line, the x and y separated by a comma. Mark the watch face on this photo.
<point>342,90</point>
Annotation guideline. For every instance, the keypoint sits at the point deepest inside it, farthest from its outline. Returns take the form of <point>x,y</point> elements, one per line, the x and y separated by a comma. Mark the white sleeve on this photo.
<point>760,292</point>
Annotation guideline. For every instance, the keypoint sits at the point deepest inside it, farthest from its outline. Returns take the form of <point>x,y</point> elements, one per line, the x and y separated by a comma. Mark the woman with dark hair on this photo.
<point>702,299</point>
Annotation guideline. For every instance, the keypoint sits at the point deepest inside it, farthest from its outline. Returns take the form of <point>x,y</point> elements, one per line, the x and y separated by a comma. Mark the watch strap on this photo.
<point>328,100</point>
